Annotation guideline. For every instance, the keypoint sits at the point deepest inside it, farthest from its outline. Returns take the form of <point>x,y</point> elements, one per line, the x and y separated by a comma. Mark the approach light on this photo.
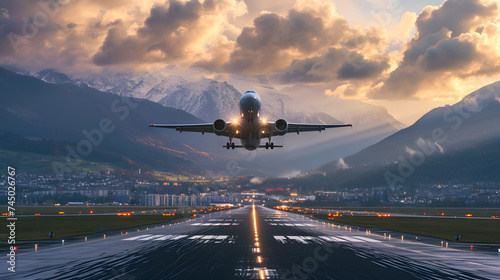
<point>235,121</point>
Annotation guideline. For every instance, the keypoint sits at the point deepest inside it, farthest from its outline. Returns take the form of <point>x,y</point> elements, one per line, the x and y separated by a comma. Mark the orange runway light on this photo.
<point>262,275</point>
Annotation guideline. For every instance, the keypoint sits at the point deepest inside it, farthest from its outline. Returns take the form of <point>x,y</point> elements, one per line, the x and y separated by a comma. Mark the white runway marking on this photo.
<point>199,238</point>
<point>137,237</point>
<point>292,225</point>
<point>149,237</point>
<point>280,239</point>
<point>321,239</point>
<point>212,238</point>
<point>215,224</point>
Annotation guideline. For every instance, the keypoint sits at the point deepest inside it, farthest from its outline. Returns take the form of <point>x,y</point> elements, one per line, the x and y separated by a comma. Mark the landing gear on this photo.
<point>230,144</point>
<point>269,145</point>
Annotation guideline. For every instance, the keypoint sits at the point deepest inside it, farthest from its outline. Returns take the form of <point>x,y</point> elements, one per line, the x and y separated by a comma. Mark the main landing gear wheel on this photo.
<point>232,145</point>
<point>267,145</point>
<point>227,145</point>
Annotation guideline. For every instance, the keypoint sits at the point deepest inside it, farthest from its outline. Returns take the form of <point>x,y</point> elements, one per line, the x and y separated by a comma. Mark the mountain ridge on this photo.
<point>447,135</point>
<point>112,123</point>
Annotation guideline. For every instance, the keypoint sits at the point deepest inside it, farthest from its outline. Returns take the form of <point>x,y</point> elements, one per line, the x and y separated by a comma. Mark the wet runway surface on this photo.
<point>252,243</point>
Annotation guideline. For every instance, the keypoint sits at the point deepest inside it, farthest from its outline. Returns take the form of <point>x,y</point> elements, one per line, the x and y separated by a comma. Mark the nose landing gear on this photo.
<point>230,144</point>
<point>269,145</point>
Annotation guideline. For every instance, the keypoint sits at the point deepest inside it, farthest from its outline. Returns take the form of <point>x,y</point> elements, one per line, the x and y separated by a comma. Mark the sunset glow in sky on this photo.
<point>408,56</point>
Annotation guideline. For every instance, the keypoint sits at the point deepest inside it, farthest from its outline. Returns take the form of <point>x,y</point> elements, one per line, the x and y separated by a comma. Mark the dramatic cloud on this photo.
<point>24,23</point>
<point>454,42</point>
<point>309,44</point>
<point>81,35</point>
<point>301,42</point>
<point>60,34</point>
<point>173,32</point>
<point>336,64</point>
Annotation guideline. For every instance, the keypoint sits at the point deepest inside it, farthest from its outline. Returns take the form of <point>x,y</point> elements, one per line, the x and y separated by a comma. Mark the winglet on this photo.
<point>151,125</point>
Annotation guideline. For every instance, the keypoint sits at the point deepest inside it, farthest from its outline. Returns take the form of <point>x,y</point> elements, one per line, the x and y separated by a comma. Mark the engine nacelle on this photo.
<point>281,126</point>
<point>219,127</point>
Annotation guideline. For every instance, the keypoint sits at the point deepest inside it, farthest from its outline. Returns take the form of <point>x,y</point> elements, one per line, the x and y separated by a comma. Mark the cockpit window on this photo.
<point>249,91</point>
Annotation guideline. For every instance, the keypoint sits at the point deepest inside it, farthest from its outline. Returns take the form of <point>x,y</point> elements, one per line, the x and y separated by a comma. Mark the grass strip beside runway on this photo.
<point>428,211</point>
<point>38,228</point>
<point>471,230</point>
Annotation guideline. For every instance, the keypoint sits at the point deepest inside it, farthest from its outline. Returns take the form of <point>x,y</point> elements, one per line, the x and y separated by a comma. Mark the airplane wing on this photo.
<point>303,127</point>
<point>200,127</point>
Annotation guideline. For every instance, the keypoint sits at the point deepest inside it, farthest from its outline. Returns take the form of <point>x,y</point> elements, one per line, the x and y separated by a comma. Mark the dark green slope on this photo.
<point>31,109</point>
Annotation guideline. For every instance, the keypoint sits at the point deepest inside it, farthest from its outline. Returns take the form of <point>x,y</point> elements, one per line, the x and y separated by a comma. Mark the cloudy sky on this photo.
<point>407,55</point>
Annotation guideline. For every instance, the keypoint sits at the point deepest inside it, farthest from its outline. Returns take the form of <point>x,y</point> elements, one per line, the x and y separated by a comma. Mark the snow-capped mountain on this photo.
<point>205,98</point>
<point>51,76</point>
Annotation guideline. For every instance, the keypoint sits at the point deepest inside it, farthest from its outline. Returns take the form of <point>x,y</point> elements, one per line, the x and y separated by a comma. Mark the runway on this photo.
<point>251,243</point>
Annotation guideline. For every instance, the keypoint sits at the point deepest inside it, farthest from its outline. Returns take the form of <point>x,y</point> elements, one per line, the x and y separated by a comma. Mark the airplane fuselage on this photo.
<point>249,125</point>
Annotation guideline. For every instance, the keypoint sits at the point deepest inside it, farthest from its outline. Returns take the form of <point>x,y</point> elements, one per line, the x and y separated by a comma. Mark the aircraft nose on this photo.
<point>249,101</point>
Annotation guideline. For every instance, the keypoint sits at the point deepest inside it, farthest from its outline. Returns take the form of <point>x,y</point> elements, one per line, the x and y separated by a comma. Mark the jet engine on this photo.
<point>219,127</point>
<point>281,126</point>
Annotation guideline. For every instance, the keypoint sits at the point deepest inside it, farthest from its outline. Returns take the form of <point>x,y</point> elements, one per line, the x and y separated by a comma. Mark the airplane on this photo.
<point>250,128</point>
